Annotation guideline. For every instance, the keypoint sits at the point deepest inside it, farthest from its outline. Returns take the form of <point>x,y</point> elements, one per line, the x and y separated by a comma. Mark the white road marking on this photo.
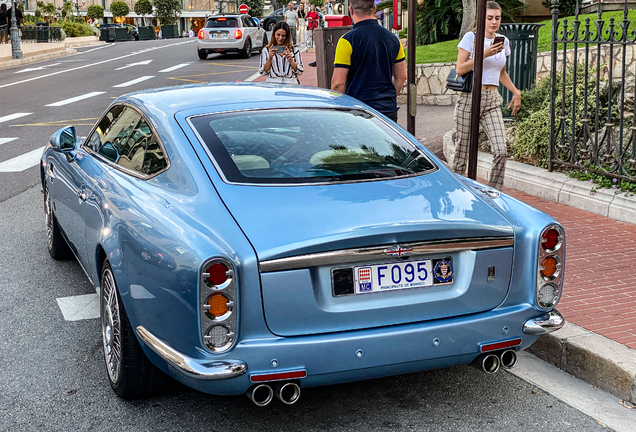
<point>253,77</point>
<point>179,66</point>
<point>145,62</point>
<point>135,81</point>
<point>75,99</point>
<point>98,48</point>
<point>79,307</point>
<point>37,68</point>
<point>90,65</point>
<point>13,117</point>
<point>6,140</point>
<point>22,162</point>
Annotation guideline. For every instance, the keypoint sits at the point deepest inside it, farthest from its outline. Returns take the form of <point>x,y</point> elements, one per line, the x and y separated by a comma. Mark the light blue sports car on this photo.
<point>257,239</point>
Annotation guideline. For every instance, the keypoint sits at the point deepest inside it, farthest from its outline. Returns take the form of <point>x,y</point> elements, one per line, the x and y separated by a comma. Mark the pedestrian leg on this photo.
<point>493,124</point>
<point>462,120</point>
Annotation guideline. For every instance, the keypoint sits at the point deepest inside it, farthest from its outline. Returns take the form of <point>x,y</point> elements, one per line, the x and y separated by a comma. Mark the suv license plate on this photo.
<point>393,276</point>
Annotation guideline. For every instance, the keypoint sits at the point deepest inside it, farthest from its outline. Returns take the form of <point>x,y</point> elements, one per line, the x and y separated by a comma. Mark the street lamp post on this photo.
<point>15,34</point>
<point>77,6</point>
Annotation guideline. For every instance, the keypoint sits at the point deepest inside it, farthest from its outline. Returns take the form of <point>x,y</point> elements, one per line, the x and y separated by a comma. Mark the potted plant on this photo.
<point>143,8</point>
<point>120,9</point>
<point>168,12</point>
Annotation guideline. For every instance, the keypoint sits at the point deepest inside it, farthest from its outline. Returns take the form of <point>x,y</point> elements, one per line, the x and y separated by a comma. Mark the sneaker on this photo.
<point>312,64</point>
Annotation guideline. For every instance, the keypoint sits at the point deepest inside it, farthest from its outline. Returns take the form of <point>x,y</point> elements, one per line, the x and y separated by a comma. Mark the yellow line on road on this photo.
<point>232,65</point>
<point>185,77</point>
<point>74,122</point>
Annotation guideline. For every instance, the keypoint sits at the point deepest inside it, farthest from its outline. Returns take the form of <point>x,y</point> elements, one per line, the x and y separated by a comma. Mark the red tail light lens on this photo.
<point>218,273</point>
<point>551,238</point>
<point>201,34</point>
<point>238,34</point>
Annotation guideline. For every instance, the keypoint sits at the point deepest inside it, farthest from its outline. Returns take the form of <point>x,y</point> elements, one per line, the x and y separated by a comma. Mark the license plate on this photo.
<point>393,276</point>
<point>219,35</point>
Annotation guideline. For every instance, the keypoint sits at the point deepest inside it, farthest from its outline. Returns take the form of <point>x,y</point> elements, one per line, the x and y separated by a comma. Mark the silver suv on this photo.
<point>237,33</point>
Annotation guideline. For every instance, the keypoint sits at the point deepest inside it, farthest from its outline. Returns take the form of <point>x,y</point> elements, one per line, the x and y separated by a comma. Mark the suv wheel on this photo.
<point>202,54</point>
<point>270,26</point>
<point>247,49</point>
<point>265,41</point>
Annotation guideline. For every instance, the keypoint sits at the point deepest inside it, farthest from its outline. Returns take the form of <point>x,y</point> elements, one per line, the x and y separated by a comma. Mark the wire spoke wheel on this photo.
<point>48,218</point>
<point>111,326</point>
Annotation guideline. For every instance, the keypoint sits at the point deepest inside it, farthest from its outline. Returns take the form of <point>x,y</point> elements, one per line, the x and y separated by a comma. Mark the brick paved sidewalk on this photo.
<point>599,292</point>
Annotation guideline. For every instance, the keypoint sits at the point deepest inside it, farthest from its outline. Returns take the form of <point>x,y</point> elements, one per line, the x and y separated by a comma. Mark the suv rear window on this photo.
<point>222,22</point>
<point>291,146</point>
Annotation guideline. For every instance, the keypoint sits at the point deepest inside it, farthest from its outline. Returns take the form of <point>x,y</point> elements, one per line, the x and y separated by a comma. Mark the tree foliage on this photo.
<point>143,8</point>
<point>168,11</point>
<point>256,7</point>
<point>49,11</point>
<point>317,3</point>
<point>119,9</point>
<point>566,7</point>
<point>67,9</point>
<point>95,11</point>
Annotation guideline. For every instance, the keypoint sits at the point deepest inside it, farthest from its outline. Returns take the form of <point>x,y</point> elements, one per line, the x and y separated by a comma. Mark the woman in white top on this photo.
<point>494,72</point>
<point>280,60</point>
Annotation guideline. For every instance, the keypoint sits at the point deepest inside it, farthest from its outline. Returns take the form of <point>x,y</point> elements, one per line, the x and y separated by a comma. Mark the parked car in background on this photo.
<point>257,238</point>
<point>230,33</point>
<point>270,21</point>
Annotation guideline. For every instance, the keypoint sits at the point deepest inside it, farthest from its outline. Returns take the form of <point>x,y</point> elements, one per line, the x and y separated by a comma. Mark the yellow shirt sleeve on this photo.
<point>343,53</point>
<point>400,57</point>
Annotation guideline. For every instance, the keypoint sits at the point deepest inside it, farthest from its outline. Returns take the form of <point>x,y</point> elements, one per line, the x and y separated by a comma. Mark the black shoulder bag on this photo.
<point>458,83</point>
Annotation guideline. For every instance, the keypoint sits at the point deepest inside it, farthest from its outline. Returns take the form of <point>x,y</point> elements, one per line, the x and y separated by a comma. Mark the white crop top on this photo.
<point>493,64</point>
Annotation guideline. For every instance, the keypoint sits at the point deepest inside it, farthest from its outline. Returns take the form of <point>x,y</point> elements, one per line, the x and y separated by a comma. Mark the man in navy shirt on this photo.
<point>369,63</point>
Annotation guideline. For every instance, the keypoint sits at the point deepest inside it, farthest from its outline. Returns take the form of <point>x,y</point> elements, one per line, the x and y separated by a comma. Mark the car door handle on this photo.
<point>49,172</point>
<point>82,194</point>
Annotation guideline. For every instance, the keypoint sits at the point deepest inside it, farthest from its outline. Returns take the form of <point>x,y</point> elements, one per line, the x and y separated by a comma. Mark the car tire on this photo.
<point>58,248</point>
<point>265,41</point>
<point>247,49</point>
<point>202,54</point>
<point>130,372</point>
<point>270,26</point>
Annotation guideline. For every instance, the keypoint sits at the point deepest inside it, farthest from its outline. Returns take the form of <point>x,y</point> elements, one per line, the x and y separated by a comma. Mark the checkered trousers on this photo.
<point>492,122</point>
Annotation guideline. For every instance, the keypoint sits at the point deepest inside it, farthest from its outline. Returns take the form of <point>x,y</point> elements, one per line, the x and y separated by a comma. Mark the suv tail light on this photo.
<point>217,299</point>
<point>238,34</point>
<point>550,267</point>
<point>201,34</point>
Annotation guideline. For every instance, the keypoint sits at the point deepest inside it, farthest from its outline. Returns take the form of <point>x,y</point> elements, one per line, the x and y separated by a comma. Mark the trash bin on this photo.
<point>42,32</point>
<point>337,20</point>
<point>522,62</point>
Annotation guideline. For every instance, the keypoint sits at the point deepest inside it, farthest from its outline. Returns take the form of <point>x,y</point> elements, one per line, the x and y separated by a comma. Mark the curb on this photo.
<point>581,353</point>
<point>555,186</point>
<point>37,57</point>
<point>592,358</point>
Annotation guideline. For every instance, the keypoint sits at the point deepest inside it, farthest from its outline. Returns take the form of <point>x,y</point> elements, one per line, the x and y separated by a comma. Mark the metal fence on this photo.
<point>592,94</point>
<point>40,33</point>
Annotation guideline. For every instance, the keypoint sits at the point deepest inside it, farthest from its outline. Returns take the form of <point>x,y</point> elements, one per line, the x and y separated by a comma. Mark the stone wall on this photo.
<point>431,78</point>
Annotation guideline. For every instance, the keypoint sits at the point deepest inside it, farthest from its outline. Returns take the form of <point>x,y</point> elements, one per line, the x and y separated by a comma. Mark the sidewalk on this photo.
<point>598,344</point>
<point>34,52</point>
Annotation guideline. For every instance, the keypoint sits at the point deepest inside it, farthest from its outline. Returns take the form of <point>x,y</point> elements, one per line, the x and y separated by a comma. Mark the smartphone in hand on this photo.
<point>279,49</point>
<point>499,40</point>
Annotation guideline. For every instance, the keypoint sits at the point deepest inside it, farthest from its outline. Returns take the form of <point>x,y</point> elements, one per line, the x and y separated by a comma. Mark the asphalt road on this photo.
<point>52,373</point>
<point>40,91</point>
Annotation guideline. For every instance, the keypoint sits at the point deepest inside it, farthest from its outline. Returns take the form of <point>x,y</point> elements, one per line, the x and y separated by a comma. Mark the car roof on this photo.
<point>219,97</point>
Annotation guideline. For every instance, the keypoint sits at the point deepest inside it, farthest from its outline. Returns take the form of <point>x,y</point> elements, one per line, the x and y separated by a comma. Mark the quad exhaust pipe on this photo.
<point>491,363</point>
<point>262,394</point>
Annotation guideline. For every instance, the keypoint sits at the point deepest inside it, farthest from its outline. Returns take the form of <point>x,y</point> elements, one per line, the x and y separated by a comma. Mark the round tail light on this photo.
<point>549,267</point>
<point>217,273</point>
<point>550,239</point>
<point>217,306</point>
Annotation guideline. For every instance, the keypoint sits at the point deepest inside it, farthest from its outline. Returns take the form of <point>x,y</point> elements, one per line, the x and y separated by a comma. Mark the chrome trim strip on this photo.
<point>221,174</point>
<point>545,323</point>
<point>343,256</point>
<point>204,370</point>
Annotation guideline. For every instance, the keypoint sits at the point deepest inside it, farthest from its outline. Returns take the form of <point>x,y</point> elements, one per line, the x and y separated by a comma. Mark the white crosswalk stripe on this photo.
<point>179,66</point>
<point>79,307</point>
<point>13,117</point>
<point>75,99</point>
<point>135,81</point>
<point>22,162</point>
<point>6,140</point>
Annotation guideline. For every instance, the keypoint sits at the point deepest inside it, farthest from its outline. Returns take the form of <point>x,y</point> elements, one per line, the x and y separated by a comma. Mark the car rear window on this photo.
<point>221,22</point>
<point>291,146</point>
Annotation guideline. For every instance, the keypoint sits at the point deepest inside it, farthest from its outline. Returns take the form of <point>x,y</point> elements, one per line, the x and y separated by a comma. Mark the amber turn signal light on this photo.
<point>218,305</point>
<point>549,267</point>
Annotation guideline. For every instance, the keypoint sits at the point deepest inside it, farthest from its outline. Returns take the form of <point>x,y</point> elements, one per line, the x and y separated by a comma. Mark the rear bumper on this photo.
<point>220,46</point>
<point>347,356</point>
<point>545,323</point>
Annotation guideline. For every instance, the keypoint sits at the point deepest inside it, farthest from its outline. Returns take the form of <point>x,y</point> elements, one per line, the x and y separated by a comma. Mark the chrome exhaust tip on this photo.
<point>490,364</point>
<point>288,393</point>
<point>261,394</point>
<point>508,359</point>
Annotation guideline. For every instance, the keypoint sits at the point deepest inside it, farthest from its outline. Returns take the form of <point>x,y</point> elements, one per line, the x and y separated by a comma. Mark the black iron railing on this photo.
<point>40,33</point>
<point>592,96</point>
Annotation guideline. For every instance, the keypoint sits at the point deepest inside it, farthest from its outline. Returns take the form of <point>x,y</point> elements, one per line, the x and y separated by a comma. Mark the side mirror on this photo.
<point>64,140</point>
